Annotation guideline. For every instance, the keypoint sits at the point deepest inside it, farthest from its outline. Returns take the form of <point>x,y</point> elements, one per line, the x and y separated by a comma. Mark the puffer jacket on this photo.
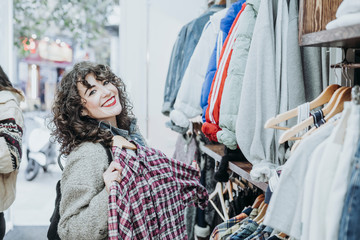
<point>225,26</point>
<point>232,87</point>
<point>187,104</point>
<point>211,127</point>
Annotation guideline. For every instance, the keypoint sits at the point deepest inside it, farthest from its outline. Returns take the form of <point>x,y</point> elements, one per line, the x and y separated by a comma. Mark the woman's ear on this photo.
<point>84,112</point>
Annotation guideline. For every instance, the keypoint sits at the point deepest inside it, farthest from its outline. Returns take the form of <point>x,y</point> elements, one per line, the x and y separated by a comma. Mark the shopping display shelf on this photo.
<point>243,168</point>
<point>344,37</point>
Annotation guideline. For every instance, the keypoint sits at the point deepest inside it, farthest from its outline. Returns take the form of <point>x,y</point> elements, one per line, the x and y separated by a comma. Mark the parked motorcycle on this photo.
<point>40,152</point>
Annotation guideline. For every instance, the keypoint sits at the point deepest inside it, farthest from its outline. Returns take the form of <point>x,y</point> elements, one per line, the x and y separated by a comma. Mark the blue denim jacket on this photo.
<point>182,51</point>
<point>134,133</point>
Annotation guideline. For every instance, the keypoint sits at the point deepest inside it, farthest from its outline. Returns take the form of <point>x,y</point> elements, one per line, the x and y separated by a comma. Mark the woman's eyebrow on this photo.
<point>89,88</point>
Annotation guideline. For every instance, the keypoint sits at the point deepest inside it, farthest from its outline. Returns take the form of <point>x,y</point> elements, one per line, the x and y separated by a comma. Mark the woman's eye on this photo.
<point>106,82</point>
<point>92,92</point>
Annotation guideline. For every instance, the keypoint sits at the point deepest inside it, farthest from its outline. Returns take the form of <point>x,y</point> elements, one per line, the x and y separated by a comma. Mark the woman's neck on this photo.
<point>111,123</point>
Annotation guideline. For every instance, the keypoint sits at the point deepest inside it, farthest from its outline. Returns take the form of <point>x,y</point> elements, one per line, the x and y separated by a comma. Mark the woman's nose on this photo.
<point>105,92</point>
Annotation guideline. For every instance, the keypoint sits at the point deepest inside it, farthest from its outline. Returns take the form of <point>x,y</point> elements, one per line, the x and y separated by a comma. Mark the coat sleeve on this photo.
<point>11,123</point>
<point>187,104</point>
<point>232,87</point>
<point>173,72</point>
<point>84,202</point>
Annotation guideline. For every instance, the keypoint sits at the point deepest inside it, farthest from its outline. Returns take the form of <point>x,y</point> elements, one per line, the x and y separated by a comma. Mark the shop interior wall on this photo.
<point>6,46</point>
<point>148,30</point>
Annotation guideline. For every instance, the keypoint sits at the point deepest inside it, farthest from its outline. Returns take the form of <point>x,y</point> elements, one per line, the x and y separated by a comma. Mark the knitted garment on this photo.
<point>150,201</point>
<point>12,134</point>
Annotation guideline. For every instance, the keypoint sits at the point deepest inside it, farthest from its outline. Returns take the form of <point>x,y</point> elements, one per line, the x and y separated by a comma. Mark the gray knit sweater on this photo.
<point>84,201</point>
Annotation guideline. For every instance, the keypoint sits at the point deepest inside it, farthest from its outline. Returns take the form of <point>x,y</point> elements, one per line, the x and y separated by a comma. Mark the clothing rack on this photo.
<point>216,151</point>
<point>346,65</point>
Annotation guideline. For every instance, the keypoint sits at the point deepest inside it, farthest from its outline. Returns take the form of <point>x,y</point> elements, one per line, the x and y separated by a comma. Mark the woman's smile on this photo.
<point>110,102</point>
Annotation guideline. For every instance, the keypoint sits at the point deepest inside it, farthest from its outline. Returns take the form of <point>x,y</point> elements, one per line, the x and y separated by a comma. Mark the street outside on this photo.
<point>35,199</point>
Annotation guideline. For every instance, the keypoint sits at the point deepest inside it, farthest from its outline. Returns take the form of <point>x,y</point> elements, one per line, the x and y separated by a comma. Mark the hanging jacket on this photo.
<point>210,127</point>
<point>187,104</point>
<point>181,54</point>
<point>232,87</point>
<point>225,26</point>
<point>150,200</point>
<point>11,124</point>
<point>272,83</point>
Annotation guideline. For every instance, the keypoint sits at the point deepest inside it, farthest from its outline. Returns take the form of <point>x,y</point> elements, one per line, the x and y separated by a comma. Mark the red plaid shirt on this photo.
<point>149,202</point>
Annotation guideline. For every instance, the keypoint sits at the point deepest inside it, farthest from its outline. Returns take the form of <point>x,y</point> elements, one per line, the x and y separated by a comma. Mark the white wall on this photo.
<point>6,30</point>
<point>7,61</point>
<point>145,56</point>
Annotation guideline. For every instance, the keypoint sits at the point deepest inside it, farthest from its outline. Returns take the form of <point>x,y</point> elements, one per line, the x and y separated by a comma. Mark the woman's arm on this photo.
<point>84,202</point>
<point>11,123</point>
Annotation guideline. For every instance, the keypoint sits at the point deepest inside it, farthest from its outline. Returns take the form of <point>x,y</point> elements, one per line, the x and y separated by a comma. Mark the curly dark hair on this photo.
<point>70,127</point>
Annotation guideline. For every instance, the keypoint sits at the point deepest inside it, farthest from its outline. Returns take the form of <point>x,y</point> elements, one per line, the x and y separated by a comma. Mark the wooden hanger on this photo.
<point>261,213</point>
<point>288,134</point>
<point>323,98</point>
<point>229,189</point>
<point>260,199</point>
<point>282,235</point>
<point>123,143</point>
<point>336,107</point>
<point>262,219</point>
<point>219,191</point>
<point>261,205</point>
<point>239,183</point>
<point>220,2</point>
<point>311,131</point>
<point>344,96</point>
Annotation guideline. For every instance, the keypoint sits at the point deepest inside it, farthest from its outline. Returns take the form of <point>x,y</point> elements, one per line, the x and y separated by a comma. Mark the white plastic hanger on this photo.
<point>219,192</point>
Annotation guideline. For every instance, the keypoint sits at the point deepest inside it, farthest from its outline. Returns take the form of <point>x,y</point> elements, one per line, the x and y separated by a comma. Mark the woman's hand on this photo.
<point>113,173</point>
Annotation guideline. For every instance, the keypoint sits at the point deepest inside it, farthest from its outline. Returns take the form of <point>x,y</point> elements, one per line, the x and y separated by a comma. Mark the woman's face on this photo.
<point>101,101</point>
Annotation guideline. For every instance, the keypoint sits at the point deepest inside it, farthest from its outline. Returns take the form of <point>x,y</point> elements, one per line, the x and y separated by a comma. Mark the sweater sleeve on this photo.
<point>11,123</point>
<point>84,202</point>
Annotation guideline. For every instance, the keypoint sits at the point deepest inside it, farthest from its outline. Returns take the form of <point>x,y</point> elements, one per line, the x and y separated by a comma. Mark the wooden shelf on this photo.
<point>241,168</point>
<point>344,37</point>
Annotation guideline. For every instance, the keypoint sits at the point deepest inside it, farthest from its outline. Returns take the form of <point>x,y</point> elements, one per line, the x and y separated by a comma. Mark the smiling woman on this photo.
<point>138,192</point>
<point>81,103</point>
<point>91,109</point>
<point>101,101</point>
